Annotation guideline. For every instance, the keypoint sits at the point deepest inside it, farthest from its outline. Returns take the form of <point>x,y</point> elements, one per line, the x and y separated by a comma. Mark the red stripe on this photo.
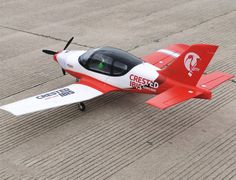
<point>92,82</point>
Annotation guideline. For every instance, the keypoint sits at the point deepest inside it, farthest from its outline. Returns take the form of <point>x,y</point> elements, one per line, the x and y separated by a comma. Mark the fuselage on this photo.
<point>135,76</point>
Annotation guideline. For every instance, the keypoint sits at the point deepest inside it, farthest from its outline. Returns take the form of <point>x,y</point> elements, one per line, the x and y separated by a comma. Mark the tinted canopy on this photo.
<point>109,61</point>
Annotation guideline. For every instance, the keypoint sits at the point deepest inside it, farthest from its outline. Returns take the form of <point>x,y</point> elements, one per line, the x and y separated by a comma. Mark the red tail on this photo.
<point>187,70</point>
<point>190,65</point>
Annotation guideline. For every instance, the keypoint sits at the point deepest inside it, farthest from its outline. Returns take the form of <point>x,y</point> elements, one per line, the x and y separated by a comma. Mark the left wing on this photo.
<point>163,57</point>
<point>172,96</point>
<point>59,97</point>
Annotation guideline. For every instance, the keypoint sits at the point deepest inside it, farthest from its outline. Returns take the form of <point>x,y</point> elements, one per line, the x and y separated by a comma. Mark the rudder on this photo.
<point>191,64</point>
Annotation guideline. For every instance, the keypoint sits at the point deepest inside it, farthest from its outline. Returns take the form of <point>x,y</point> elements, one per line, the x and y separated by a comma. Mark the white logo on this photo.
<point>190,62</point>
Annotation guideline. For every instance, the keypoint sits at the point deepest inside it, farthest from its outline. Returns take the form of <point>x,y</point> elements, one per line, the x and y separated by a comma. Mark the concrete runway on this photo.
<point>119,137</point>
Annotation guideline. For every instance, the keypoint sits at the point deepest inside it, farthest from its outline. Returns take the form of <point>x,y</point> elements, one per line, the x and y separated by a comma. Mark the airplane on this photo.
<point>174,74</point>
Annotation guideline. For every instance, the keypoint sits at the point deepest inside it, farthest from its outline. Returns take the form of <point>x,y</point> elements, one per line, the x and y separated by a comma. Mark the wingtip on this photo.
<point>149,102</point>
<point>10,111</point>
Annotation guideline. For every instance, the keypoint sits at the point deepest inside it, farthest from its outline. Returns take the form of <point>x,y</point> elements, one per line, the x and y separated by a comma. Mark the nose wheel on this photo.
<point>81,106</point>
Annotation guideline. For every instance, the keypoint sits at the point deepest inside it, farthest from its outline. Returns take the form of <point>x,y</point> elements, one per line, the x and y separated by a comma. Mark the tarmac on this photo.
<point>118,137</point>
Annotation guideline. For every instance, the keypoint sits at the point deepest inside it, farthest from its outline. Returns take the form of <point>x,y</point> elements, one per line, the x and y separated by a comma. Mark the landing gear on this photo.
<point>81,106</point>
<point>77,80</point>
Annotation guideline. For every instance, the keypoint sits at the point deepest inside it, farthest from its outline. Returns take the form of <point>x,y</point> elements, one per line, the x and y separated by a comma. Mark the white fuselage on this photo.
<point>139,75</point>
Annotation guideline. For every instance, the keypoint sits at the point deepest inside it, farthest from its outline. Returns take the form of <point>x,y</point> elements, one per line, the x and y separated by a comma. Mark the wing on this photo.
<point>172,96</point>
<point>214,79</point>
<point>59,97</point>
<point>163,57</point>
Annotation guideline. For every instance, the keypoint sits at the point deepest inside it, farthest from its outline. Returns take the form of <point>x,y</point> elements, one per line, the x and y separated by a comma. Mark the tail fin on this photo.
<point>191,64</point>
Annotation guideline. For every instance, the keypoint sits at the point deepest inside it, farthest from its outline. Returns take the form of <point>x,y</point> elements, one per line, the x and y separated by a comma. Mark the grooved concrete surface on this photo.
<point>119,136</point>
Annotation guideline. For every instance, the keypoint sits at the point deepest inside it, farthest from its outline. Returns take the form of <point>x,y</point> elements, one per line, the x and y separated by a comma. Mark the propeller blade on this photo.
<point>63,71</point>
<point>49,52</point>
<point>68,43</point>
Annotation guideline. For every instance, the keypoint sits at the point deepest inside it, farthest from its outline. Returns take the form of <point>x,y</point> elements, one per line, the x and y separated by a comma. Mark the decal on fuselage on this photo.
<point>140,83</point>
<point>60,92</point>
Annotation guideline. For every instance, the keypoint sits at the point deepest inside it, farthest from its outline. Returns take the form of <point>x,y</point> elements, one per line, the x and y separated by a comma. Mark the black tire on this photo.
<point>81,106</point>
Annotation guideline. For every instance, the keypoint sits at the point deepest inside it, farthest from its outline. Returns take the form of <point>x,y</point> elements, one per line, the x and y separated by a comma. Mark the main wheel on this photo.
<point>81,106</point>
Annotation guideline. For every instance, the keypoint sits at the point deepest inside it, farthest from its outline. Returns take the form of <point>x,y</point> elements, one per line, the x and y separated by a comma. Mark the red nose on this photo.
<point>55,57</point>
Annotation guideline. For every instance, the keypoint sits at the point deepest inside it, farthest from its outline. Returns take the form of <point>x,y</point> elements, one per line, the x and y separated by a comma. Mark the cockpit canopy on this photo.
<point>109,61</point>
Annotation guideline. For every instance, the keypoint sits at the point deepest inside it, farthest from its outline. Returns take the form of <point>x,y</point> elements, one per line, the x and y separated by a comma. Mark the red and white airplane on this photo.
<point>174,74</point>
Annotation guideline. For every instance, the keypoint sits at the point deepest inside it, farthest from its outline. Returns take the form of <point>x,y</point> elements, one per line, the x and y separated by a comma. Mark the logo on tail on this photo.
<point>190,62</point>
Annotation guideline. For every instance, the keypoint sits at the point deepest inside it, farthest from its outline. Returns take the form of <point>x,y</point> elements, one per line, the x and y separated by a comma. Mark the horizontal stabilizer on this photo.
<point>172,96</point>
<point>213,80</point>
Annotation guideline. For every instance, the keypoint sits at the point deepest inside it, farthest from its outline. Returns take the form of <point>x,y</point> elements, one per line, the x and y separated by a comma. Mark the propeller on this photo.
<point>68,43</point>
<point>63,71</point>
<point>50,52</point>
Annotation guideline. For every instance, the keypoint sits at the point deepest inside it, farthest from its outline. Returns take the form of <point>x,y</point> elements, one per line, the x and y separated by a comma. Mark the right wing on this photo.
<point>163,57</point>
<point>67,95</point>
<point>172,96</point>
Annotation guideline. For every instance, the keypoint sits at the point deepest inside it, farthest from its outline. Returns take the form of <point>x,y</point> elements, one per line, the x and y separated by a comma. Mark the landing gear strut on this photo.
<point>77,79</point>
<point>81,106</point>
